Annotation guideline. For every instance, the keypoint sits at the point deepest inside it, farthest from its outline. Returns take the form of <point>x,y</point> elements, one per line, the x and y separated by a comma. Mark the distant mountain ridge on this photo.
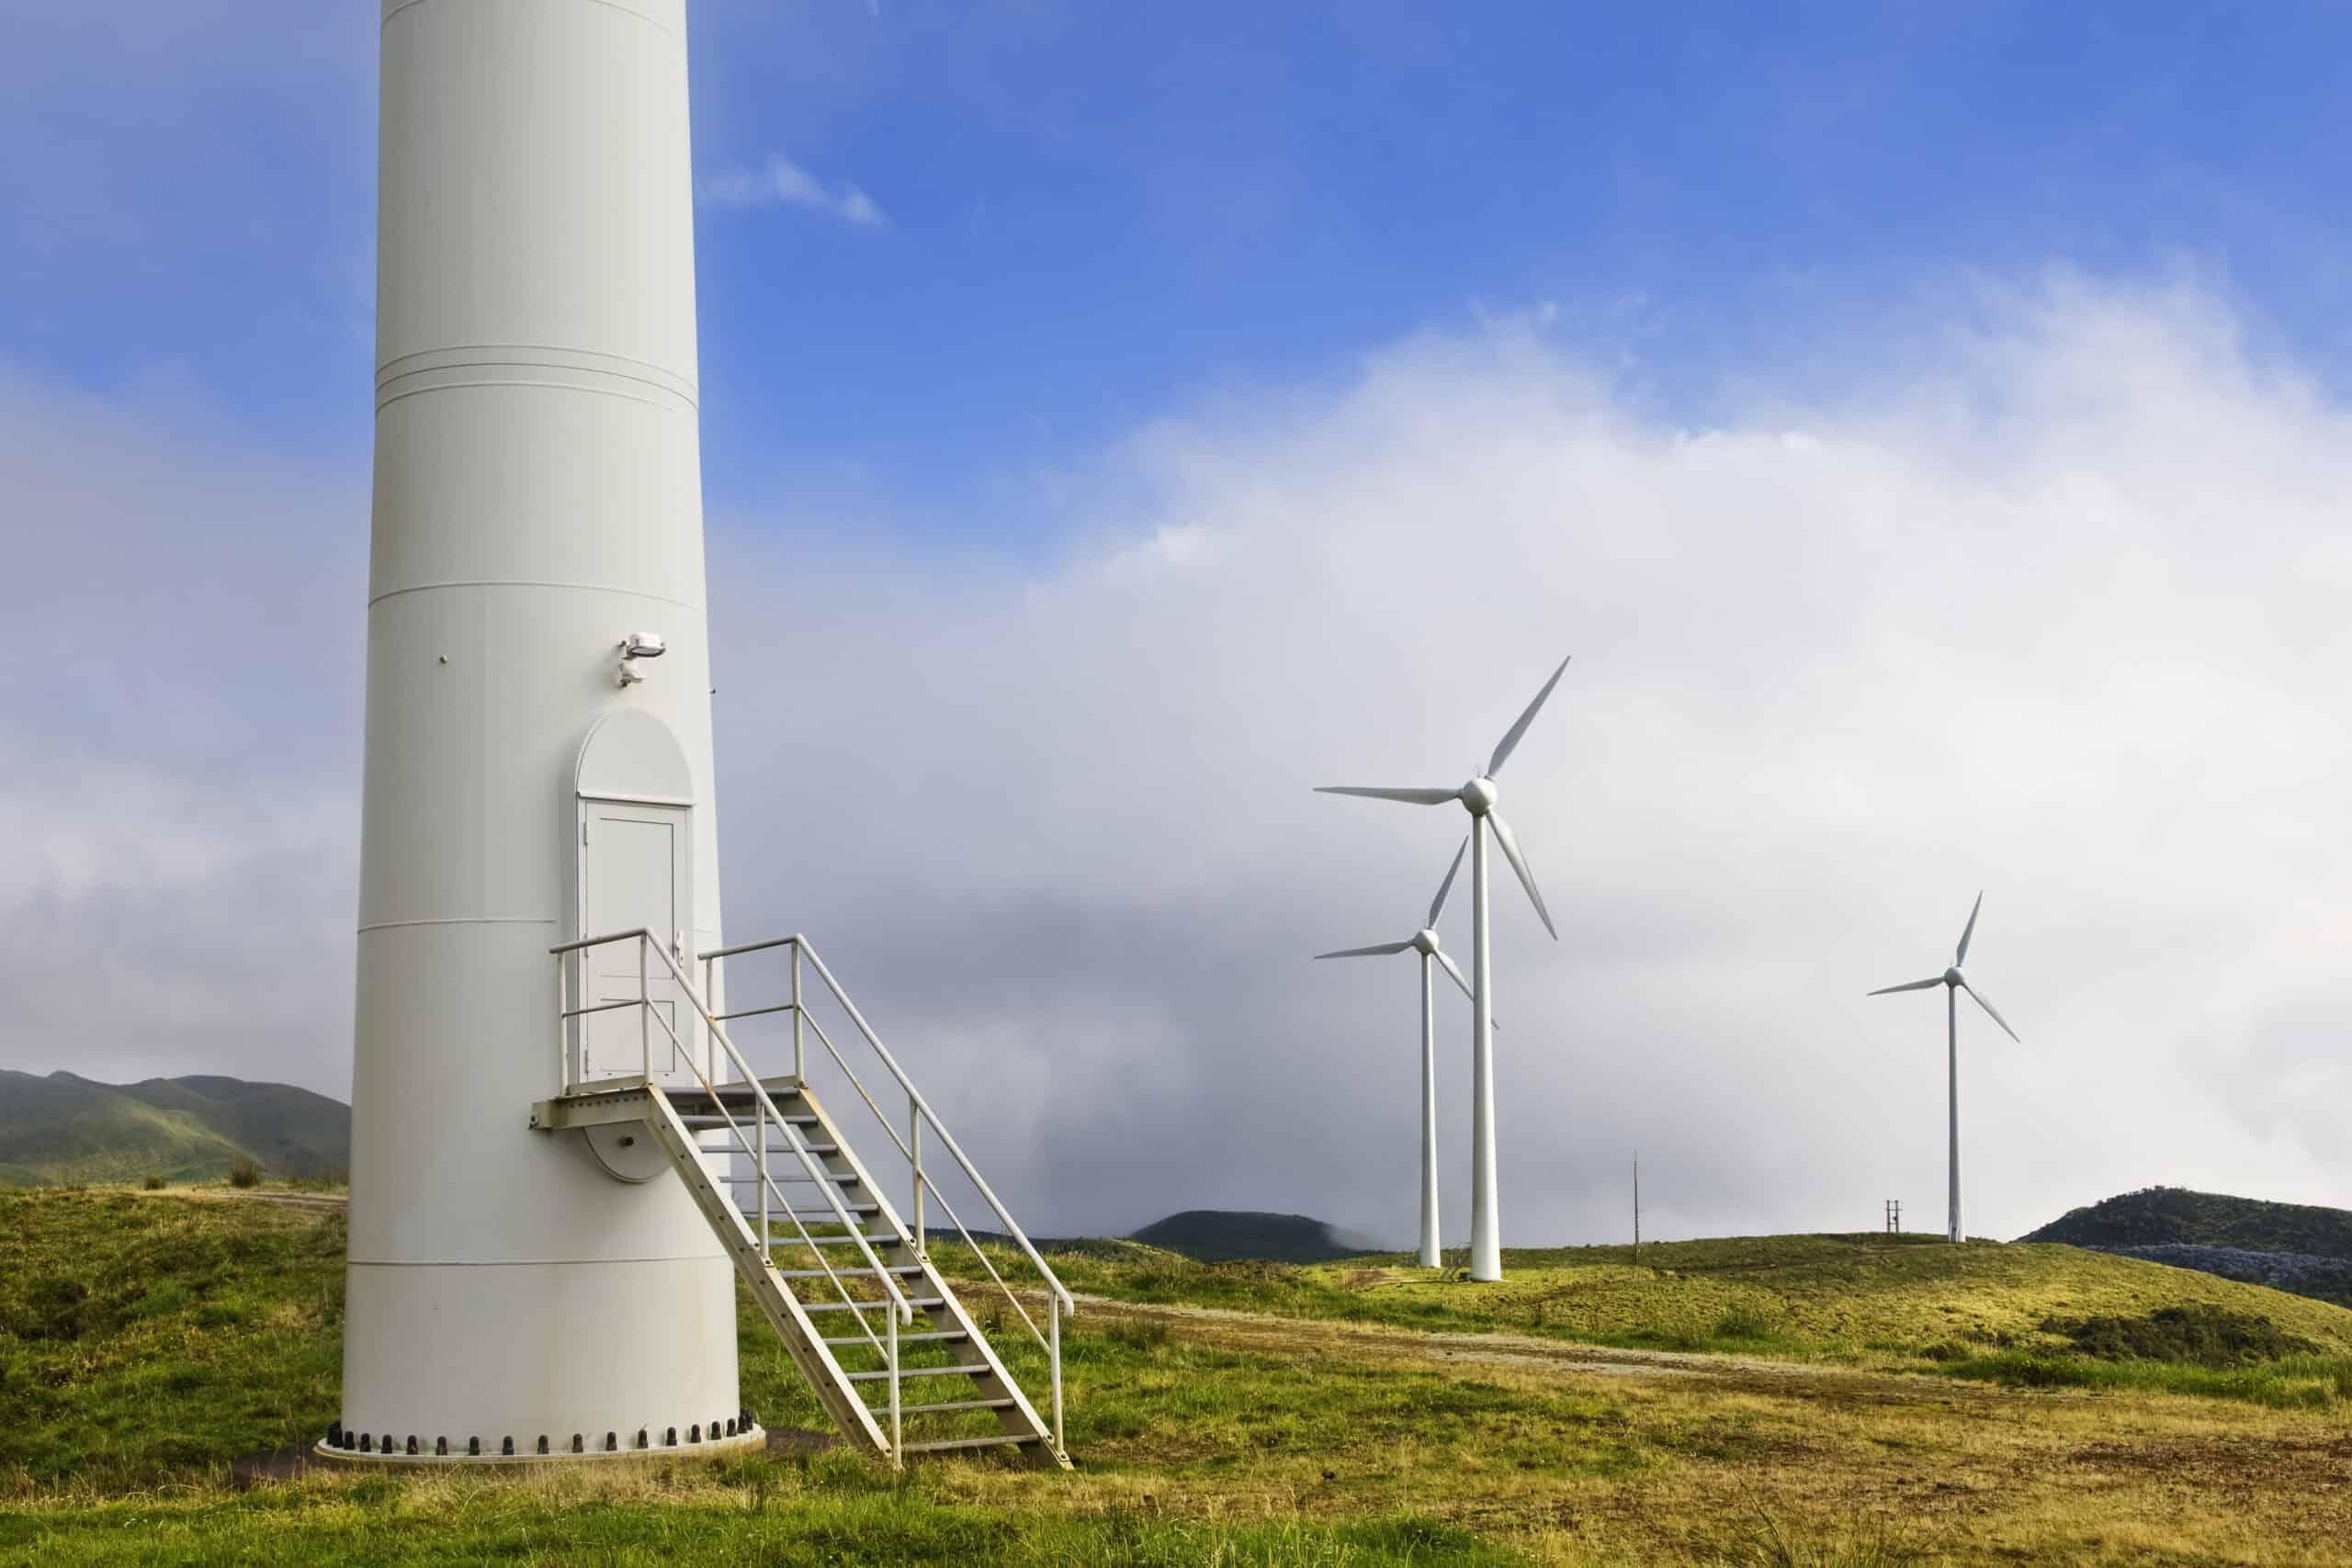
<point>2169,1217</point>
<point>1226,1236</point>
<point>63,1128</point>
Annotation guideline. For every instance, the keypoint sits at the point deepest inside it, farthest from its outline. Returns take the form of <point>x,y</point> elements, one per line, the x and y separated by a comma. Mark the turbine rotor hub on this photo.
<point>1425,942</point>
<point>1479,794</point>
<point>1952,977</point>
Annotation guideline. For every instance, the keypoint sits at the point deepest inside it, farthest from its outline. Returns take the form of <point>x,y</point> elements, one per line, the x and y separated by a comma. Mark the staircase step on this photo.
<point>939,1337</point>
<point>744,1112</point>
<point>860,1272</point>
<point>976,1369</point>
<point>705,1118</point>
<point>918,1303</point>
<point>878,1242</point>
<point>952,1445</point>
<point>781,1214</point>
<point>790,1175</point>
<point>954,1404</point>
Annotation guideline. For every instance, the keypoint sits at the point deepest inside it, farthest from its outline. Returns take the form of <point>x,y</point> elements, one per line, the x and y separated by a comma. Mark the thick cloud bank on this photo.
<point>2047,599</point>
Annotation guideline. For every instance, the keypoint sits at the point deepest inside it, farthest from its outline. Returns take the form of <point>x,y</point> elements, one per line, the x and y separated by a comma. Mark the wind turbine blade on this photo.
<point>1437,905</point>
<point>1448,964</point>
<point>1382,951</point>
<point>1962,957</point>
<point>1510,742</point>
<point>1410,796</point>
<point>1996,1016</point>
<point>1913,986</point>
<point>1518,863</point>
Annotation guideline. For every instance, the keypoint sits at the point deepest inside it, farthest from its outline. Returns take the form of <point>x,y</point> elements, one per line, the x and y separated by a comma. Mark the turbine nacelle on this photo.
<point>1952,979</point>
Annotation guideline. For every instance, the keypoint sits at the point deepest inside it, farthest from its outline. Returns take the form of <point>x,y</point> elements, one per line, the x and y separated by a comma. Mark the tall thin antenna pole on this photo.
<point>1637,1208</point>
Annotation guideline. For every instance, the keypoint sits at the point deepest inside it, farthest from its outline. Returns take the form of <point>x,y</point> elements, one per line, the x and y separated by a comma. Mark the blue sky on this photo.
<point>1095,213</point>
<point>1926,424</point>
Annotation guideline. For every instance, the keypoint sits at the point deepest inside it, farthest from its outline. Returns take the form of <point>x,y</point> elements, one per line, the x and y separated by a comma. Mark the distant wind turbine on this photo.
<point>1955,982</point>
<point>1424,942</point>
<point>1478,797</point>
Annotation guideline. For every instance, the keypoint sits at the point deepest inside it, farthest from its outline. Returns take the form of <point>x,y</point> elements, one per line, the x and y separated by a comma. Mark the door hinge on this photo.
<point>583,829</point>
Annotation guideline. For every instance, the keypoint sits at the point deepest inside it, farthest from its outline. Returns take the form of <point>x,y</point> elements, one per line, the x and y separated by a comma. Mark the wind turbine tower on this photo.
<point>548,1214</point>
<point>1955,982</point>
<point>1479,797</point>
<point>1424,942</point>
<point>536,538</point>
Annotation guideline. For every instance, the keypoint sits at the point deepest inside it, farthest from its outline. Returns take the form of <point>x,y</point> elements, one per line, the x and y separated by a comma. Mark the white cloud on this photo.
<point>782,180</point>
<point>2051,605</point>
<point>2056,613</point>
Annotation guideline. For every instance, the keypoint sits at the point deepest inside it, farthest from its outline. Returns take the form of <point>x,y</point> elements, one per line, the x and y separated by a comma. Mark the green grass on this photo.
<point>144,1339</point>
<point>764,1514</point>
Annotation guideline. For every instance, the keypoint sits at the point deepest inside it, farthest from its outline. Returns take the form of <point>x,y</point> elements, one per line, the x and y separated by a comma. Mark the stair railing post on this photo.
<point>767,1254</point>
<point>1053,1351</point>
<point>914,1155</point>
<point>710,1030</point>
<point>562,1029</point>
<point>644,1013</point>
<point>898,1444</point>
<point>799,1063</point>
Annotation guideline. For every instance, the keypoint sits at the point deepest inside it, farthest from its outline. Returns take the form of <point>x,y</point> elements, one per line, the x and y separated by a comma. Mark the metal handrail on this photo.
<point>766,1106</point>
<point>1059,1301</point>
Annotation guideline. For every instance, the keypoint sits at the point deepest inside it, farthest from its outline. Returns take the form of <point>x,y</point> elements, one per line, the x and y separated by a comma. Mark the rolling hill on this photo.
<point>66,1128</point>
<point>1222,1236</point>
<point>2300,1247</point>
<point>2164,1216</point>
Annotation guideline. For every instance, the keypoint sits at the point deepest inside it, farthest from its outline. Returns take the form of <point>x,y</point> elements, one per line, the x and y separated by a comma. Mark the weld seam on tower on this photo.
<point>382,403</point>
<point>536,582</point>
<point>625,10</point>
<point>384,372</point>
<point>463,920</point>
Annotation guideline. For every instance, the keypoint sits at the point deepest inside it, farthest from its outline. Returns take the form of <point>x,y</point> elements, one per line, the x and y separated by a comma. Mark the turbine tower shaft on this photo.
<point>1951,1063</point>
<point>1485,1219</point>
<point>1429,1252</point>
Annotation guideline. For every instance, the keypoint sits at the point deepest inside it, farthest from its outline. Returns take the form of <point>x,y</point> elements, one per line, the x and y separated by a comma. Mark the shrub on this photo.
<point>60,1309</point>
<point>1137,1334</point>
<point>2198,1335</point>
<point>154,1184</point>
<point>1742,1323</point>
<point>245,1173</point>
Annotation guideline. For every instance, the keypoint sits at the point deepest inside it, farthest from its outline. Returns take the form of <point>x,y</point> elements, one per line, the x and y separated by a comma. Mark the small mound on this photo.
<point>1232,1236</point>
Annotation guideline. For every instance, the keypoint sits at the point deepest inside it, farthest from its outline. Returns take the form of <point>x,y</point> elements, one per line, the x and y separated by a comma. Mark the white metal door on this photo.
<point>635,866</point>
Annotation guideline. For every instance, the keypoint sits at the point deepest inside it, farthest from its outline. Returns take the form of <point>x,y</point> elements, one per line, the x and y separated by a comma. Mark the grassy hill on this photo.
<point>146,1337</point>
<point>1868,1298</point>
<point>64,1128</point>
<point>2158,1216</point>
<point>1221,1235</point>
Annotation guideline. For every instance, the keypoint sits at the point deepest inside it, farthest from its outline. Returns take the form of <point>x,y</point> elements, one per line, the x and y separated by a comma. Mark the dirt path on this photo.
<point>315,1203</point>
<point>1324,1337</point>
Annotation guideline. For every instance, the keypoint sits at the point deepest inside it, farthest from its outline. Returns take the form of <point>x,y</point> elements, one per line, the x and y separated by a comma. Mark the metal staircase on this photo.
<point>850,1287</point>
